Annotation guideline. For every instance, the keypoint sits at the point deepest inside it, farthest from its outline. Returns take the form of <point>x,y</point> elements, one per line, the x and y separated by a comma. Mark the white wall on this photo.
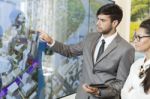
<point>124,27</point>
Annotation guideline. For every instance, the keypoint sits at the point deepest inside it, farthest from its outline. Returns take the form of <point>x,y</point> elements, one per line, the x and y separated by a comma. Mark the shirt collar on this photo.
<point>108,39</point>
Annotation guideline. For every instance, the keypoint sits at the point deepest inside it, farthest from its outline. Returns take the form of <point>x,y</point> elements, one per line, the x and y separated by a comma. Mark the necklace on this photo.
<point>142,72</point>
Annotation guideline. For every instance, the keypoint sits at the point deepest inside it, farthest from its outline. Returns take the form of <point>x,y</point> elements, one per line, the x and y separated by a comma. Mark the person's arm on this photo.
<point>68,50</point>
<point>116,85</point>
<point>128,84</point>
<point>65,50</point>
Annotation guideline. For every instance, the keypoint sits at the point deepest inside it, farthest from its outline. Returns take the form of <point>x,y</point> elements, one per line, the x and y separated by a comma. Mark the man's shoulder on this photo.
<point>92,35</point>
<point>124,44</point>
<point>125,48</point>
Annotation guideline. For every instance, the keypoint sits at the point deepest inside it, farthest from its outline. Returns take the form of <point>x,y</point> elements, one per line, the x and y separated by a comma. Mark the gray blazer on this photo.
<point>111,68</point>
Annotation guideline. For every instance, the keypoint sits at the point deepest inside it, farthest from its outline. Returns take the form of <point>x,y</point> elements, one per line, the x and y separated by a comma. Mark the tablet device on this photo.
<point>98,85</point>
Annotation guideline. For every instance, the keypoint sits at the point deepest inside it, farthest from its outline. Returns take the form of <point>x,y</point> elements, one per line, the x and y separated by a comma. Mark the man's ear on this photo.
<point>115,23</point>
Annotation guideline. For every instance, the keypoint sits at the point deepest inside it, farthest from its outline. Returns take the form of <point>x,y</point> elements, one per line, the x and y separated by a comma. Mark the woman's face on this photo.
<point>142,40</point>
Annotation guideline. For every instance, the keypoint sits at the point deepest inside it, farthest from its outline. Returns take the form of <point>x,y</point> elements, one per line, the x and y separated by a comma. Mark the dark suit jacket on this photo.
<point>111,68</point>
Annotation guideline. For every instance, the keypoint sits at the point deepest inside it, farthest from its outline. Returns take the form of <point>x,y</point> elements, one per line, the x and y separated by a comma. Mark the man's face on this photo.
<point>104,24</point>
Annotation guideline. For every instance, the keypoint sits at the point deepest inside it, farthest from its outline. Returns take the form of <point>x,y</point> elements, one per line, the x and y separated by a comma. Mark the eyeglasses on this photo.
<point>138,37</point>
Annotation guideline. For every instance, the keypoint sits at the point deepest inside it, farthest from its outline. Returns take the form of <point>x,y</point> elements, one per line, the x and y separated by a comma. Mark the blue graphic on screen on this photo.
<point>1,31</point>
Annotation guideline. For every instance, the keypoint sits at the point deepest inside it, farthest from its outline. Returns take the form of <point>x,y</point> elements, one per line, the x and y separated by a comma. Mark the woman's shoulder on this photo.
<point>137,63</point>
<point>140,60</point>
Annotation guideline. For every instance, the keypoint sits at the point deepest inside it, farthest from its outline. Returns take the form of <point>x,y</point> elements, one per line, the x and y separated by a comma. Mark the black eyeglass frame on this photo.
<point>138,37</point>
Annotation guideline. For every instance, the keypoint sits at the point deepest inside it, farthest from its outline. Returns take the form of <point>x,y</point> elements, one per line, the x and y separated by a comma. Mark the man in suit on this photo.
<point>111,67</point>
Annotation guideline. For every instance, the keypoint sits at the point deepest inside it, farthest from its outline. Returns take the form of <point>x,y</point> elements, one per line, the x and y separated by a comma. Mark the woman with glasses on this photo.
<point>137,85</point>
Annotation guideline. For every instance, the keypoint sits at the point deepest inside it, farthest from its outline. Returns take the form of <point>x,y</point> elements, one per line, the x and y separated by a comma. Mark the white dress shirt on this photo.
<point>108,40</point>
<point>132,88</point>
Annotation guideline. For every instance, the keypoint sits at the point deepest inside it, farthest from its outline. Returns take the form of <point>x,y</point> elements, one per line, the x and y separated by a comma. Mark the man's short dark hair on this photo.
<point>111,9</point>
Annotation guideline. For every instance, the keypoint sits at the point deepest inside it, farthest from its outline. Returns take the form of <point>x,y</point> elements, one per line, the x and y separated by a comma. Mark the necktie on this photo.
<point>101,49</point>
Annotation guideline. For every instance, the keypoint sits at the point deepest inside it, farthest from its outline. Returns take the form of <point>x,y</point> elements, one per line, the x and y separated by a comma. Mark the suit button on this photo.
<point>93,71</point>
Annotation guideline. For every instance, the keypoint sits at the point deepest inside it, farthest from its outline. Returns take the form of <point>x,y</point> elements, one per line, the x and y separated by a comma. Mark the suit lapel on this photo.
<point>93,45</point>
<point>110,48</point>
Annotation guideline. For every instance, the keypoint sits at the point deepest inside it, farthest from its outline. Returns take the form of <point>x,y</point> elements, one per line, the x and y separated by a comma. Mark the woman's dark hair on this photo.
<point>146,82</point>
<point>146,25</point>
<point>111,9</point>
